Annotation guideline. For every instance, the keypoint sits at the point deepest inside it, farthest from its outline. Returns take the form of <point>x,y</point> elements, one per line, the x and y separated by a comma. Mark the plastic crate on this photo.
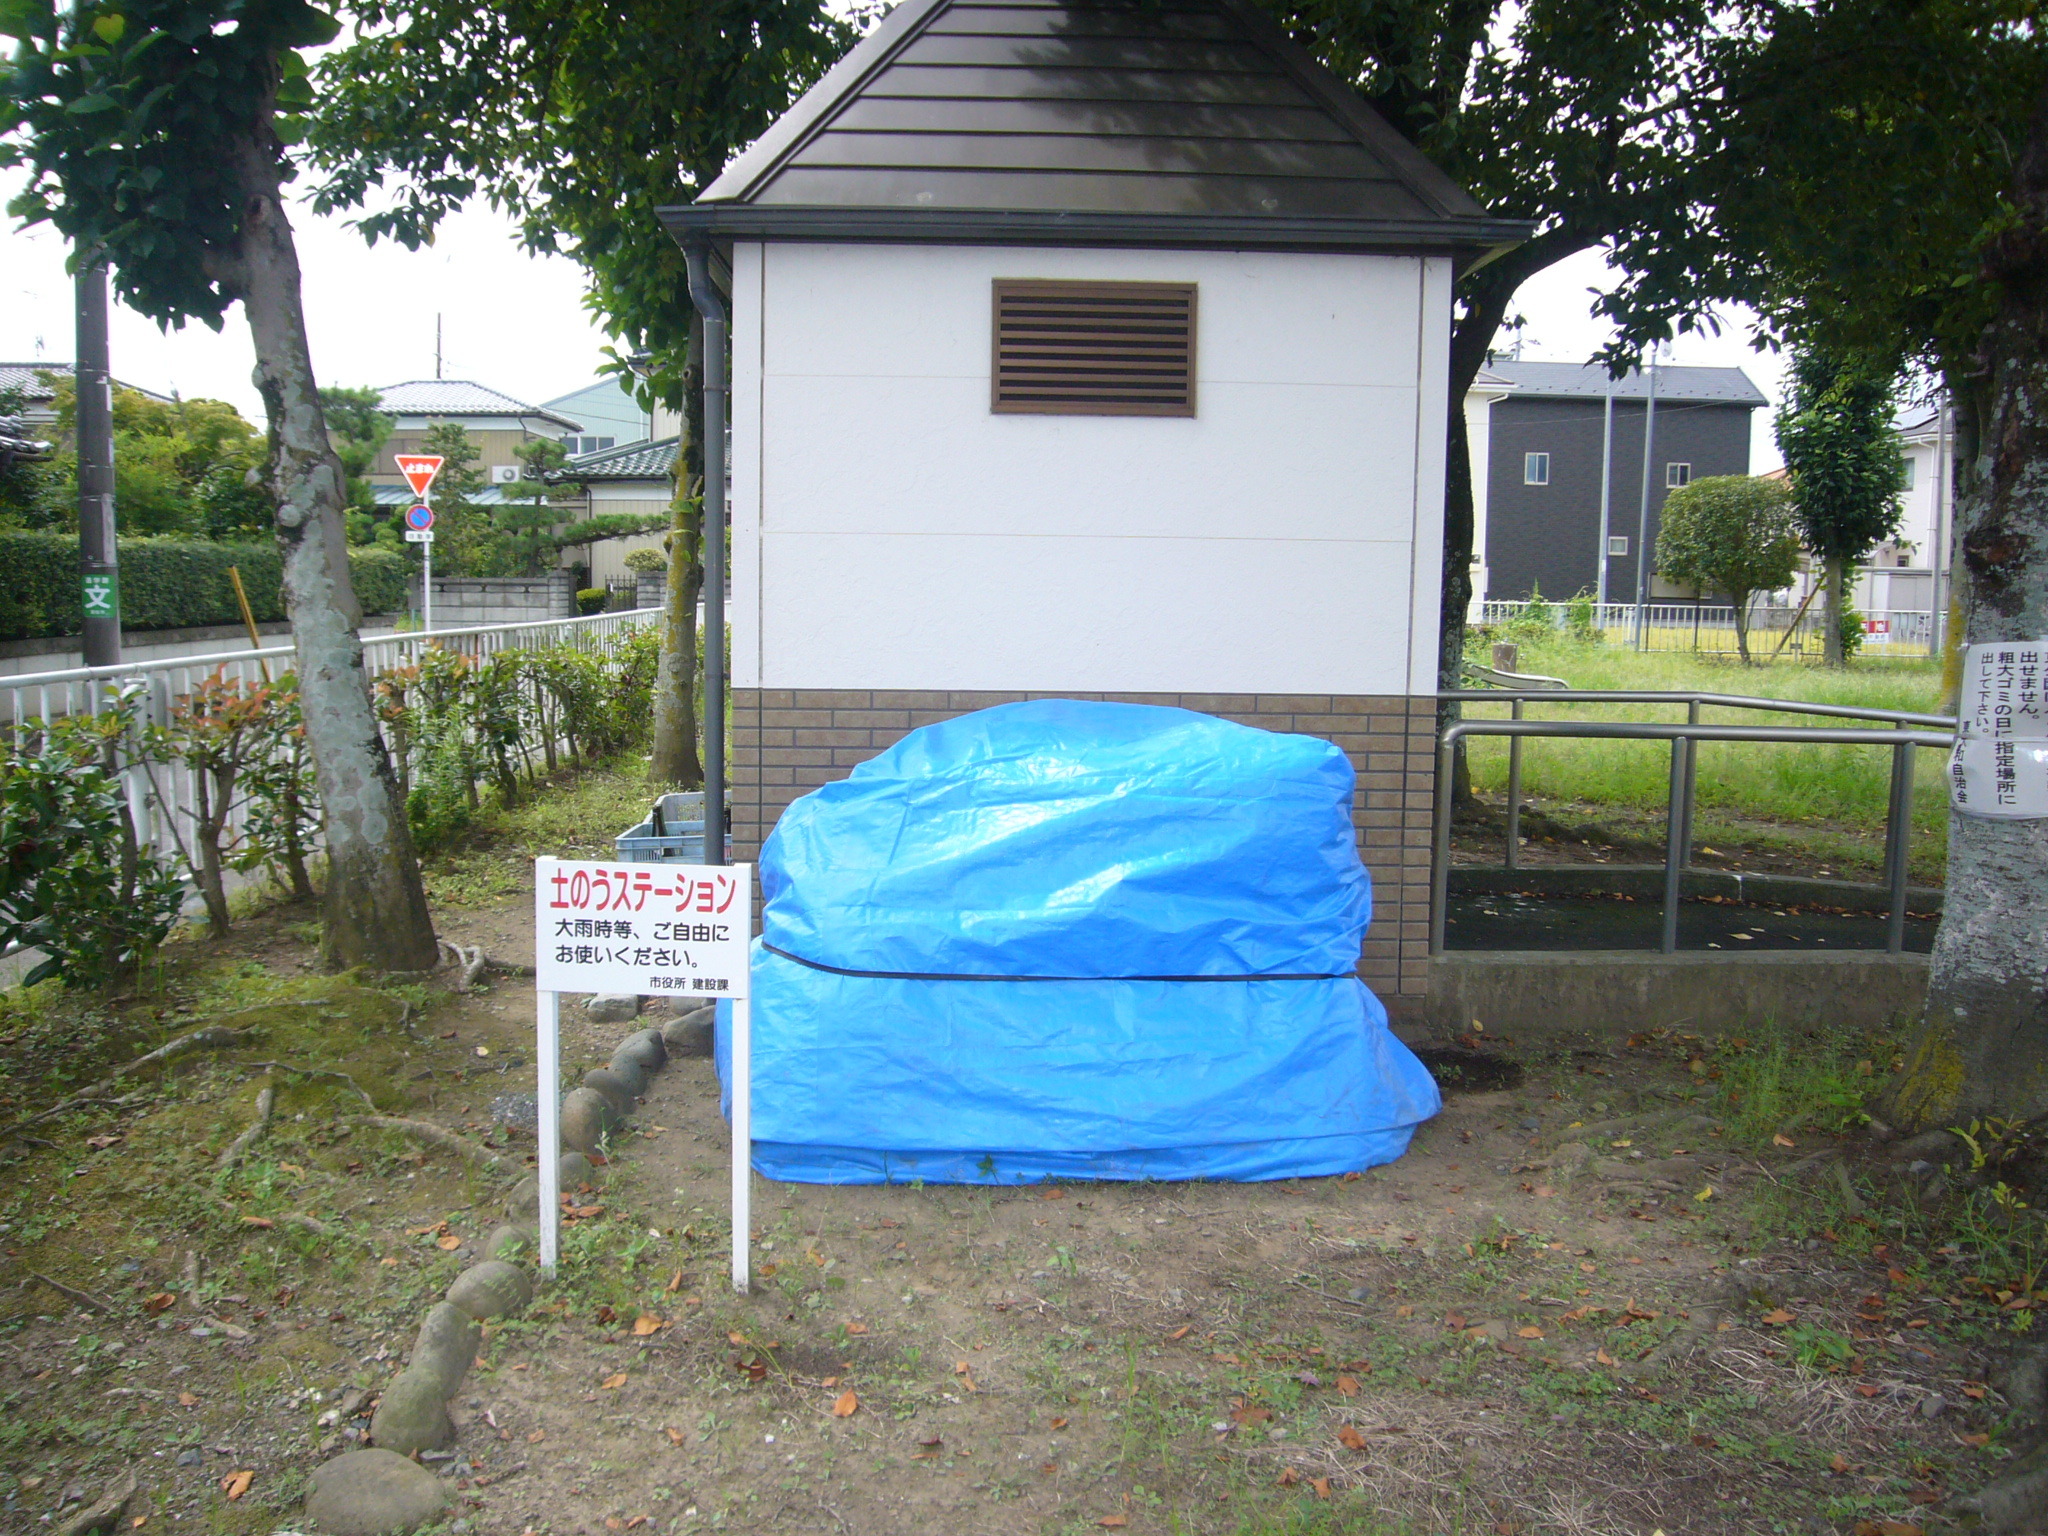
<point>673,832</point>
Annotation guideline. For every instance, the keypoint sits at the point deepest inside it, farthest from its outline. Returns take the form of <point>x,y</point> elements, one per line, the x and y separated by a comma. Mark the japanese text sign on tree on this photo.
<point>419,469</point>
<point>1999,767</point>
<point>650,929</point>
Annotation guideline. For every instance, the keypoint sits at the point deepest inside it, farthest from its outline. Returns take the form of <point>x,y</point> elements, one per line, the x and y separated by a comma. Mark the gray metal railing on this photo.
<point>1902,738</point>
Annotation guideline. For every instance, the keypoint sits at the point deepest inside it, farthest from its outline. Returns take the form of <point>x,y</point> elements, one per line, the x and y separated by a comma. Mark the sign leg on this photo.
<point>427,587</point>
<point>742,1143</point>
<point>547,1095</point>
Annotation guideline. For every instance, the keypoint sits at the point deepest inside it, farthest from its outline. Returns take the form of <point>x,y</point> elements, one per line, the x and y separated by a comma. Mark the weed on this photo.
<point>1818,1348</point>
<point>1780,1083</point>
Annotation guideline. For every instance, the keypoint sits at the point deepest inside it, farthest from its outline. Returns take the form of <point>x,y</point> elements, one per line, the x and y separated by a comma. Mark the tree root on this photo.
<point>473,962</point>
<point>285,1066</point>
<point>83,1298</point>
<point>212,1037</point>
<point>432,1135</point>
<point>2013,1502</point>
<point>305,1223</point>
<point>101,1516</point>
<point>266,1101</point>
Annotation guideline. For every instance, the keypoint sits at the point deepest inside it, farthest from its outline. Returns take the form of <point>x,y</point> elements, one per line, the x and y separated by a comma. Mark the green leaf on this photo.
<point>109,28</point>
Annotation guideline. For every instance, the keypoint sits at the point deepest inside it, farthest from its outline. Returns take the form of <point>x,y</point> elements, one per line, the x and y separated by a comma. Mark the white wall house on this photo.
<point>1900,576</point>
<point>1052,375</point>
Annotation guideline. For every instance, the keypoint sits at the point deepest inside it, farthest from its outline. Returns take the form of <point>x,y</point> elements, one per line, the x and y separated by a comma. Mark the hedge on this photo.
<point>167,583</point>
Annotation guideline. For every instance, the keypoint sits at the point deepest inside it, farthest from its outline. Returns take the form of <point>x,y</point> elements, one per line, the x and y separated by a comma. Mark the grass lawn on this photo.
<point>1827,801</point>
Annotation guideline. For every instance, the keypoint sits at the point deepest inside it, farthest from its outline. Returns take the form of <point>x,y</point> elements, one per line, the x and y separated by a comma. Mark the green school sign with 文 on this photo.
<point>102,597</point>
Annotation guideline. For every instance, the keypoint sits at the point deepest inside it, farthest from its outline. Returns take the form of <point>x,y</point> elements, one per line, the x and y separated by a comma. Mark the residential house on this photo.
<point>1901,574</point>
<point>1552,443</point>
<point>496,424</point>
<point>610,417</point>
<point>38,417</point>
<point>634,478</point>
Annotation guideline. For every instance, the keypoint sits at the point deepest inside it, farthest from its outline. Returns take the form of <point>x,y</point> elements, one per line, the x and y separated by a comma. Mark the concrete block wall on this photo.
<point>786,741</point>
<point>460,602</point>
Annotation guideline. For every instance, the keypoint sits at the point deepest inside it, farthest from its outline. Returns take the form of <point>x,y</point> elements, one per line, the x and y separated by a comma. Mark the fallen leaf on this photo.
<point>235,1484</point>
<point>432,1226</point>
<point>186,1400</point>
<point>675,1283</point>
<point>1289,1476</point>
<point>446,1244</point>
<point>734,1336</point>
<point>1839,1465</point>
<point>856,1327</point>
<point>1350,1438</point>
<point>1348,1385</point>
<point>258,1221</point>
<point>1601,1357</point>
<point>613,1383</point>
<point>829,1381</point>
<point>966,1376</point>
<point>101,1143</point>
<point>1973,1390</point>
<point>1404,1310</point>
<point>540,1434</point>
<point>1052,1192</point>
<point>1977,1440</point>
<point>1182,1332</point>
<point>647,1323</point>
<point>846,1405</point>
<point>614,1523</point>
<point>1705,1194</point>
<point>1321,1486</point>
<point>1113,1521</point>
<point>138,1522</point>
<point>1059,1423</point>
<point>1780,1139</point>
<point>1543,1191</point>
<point>1251,1415</point>
<point>162,1301</point>
<point>1865,1389</point>
<point>1778,1317</point>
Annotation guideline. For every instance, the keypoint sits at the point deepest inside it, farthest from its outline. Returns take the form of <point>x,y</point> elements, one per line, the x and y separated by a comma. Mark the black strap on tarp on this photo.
<point>840,970</point>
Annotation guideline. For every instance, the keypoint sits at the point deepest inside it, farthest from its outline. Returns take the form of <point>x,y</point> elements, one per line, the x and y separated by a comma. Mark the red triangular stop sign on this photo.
<point>419,469</point>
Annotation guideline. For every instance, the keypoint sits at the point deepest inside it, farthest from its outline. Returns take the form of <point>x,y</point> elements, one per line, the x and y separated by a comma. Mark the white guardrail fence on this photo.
<point>1710,627</point>
<point>167,792</point>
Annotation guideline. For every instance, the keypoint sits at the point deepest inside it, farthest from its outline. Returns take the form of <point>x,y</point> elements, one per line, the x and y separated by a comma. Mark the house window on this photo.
<point>583,445</point>
<point>1906,484</point>
<point>1618,544</point>
<point>1535,469</point>
<point>1093,349</point>
<point>1676,475</point>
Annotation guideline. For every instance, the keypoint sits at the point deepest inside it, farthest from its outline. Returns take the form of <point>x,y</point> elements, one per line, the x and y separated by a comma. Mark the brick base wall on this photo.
<point>787,741</point>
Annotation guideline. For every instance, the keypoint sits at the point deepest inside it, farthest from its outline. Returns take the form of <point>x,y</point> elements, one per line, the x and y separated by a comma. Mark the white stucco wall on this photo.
<point>890,531</point>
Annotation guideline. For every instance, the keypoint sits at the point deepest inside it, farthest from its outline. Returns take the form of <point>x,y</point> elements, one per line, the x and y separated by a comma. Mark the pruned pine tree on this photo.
<point>155,137</point>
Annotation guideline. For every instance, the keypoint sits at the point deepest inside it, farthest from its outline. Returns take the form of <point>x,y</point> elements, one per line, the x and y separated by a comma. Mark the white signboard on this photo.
<point>1999,767</point>
<point>653,929</point>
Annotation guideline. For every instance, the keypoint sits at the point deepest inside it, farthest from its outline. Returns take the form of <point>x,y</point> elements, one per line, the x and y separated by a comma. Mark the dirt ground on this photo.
<point>1594,1297</point>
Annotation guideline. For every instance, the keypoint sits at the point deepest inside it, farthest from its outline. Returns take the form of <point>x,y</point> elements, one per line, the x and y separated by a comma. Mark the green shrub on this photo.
<point>646,560</point>
<point>167,583</point>
<point>592,600</point>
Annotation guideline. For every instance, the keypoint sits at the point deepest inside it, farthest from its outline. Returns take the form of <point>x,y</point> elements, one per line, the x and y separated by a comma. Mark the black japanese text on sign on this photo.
<point>643,928</point>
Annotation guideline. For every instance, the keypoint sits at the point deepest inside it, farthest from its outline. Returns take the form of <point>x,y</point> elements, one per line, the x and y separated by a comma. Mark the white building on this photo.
<point>1900,577</point>
<point>1091,352</point>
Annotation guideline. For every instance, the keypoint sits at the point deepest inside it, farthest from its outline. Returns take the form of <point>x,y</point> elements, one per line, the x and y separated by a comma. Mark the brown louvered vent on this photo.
<point>1094,349</point>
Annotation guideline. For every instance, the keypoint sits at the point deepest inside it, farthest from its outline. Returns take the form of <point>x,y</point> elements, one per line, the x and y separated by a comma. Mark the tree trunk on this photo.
<point>675,759</point>
<point>1831,635</point>
<point>1740,602</point>
<point>375,910</point>
<point>1982,1048</point>
<point>213,788</point>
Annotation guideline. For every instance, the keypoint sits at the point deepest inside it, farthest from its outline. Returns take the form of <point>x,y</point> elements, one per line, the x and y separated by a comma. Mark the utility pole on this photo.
<point>437,344</point>
<point>93,422</point>
<point>1606,492</point>
<point>1643,518</point>
<point>1937,619</point>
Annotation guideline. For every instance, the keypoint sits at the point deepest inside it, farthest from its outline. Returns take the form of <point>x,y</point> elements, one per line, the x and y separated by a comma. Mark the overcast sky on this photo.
<point>517,323</point>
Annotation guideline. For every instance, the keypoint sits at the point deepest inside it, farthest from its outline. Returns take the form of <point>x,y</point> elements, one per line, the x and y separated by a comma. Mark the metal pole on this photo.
<point>547,1018</point>
<point>1643,518</point>
<point>1692,781</point>
<point>704,294</point>
<point>98,552</point>
<point>742,1139</point>
<point>1898,832</point>
<point>1937,626</point>
<point>1440,870</point>
<point>1674,831</point>
<point>1606,489</point>
<point>1514,793</point>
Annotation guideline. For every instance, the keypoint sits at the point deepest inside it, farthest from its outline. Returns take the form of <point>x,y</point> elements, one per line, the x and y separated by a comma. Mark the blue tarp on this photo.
<point>1073,940</point>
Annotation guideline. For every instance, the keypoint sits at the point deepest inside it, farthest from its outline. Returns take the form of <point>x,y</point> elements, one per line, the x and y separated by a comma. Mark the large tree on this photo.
<point>1842,453</point>
<point>155,134</point>
<point>1732,534</point>
<point>581,117</point>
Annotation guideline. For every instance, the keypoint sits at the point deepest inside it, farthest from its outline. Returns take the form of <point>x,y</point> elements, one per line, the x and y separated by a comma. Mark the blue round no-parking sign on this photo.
<point>419,519</point>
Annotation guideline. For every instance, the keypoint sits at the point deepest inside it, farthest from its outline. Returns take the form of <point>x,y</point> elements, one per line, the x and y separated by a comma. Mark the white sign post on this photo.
<point>675,930</point>
<point>419,470</point>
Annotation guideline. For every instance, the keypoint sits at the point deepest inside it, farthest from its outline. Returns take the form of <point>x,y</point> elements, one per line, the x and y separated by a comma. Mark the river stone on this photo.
<point>523,1203</point>
<point>510,1242</point>
<point>446,1347</point>
<point>491,1289</point>
<point>613,1008</point>
<point>412,1415</point>
<point>629,1072</point>
<point>374,1493</point>
<point>688,1034</point>
<point>645,1047</point>
<point>574,1169</point>
<point>615,1088</point>
<point>587,1118</point>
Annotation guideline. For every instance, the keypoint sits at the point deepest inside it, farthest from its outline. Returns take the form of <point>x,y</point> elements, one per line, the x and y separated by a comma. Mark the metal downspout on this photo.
<point>704,295</point>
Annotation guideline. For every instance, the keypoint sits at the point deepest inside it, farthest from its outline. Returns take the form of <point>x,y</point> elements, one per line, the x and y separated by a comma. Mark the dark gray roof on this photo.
<point>1089,121</point>
<point>1728,386</point>
<point>654,460</point>
<point>460,397</point>
<point>27,377</point>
